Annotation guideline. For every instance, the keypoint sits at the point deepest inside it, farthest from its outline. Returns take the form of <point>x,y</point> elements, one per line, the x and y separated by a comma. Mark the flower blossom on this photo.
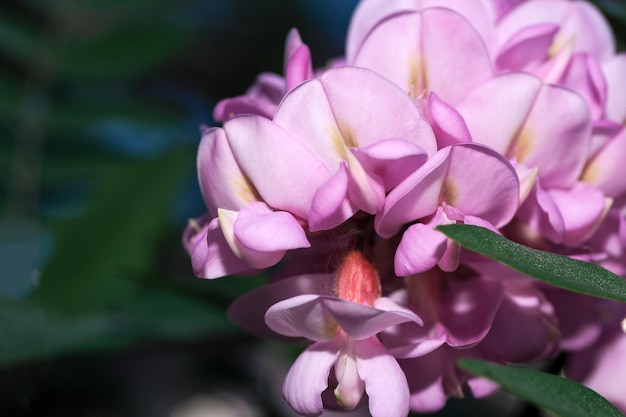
<point>506,114</point>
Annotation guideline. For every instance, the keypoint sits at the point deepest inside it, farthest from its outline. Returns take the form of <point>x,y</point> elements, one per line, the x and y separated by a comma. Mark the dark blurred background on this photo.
<point>100,107</point>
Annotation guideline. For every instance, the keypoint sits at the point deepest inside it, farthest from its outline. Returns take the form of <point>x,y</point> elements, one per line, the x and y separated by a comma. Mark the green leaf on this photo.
<point>117,234</point>
<point>558,270</point>
<point>561,396</point>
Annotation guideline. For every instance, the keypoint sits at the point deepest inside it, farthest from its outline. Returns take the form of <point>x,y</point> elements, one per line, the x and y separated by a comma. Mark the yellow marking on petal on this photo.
<point>449,192</point>
<point>244,189</point>
<point>524,144</point>
<point>527,181</point>
<point>418,78</point>
<point>349,138</point>
<point>331,328</point>
<point>591,173</point>
<point>338,145</point>
<point>343,139</point>
<point>560,44</point>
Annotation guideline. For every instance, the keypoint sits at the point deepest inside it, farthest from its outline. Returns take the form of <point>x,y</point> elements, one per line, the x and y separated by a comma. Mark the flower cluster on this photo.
<point>508,115</point>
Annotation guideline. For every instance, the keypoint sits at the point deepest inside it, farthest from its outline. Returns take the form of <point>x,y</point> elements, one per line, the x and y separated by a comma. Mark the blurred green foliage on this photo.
<point>86,222</point>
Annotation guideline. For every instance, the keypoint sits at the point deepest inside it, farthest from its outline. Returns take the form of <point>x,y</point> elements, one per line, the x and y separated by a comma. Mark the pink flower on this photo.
<point>343,325</point>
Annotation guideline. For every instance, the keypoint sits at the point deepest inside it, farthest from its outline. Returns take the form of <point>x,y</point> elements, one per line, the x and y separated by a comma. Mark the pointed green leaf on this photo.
<point>558,270</point>
<point>558,395</point>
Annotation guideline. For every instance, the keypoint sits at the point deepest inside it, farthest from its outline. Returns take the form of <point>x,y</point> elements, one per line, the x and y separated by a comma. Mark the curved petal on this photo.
<point>481,14</point>
<point>447,123</point>
<point>614,70</point>
<point>491,192</point>
<point>222,183</point>
<point>583,208</point>
<point>365,189</point>
<point>308,377</point>
<point>524,308</point>
<point>255,258</point>
<point>425,377</point>
<point>416,197</point>
<point>257,144</point>
<point>391,159</point>
<point>330,206</point>
<point>579,22</point>
<point>558,145</point>
<point>211,255</point>
<point>469,308</point>
<point>434,50</point>
<point>527,48</point>
<point>419,250</point>
<point>260,229</point>
<point>385,382</point>
<point>298,65</point>
<point>600,170</point>
<point>540,212</point>
<point>303,315</point>
<point>495,111</point>
<point>248,311</point>
<point>360,321</point>
<point>350,386</point>
<point>584,75</point>
<point>357,95</point>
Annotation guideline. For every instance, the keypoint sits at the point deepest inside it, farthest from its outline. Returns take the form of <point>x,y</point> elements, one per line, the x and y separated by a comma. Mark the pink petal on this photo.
<point>357,95</point>
<point>491,192</point>
<point>614,70</point>
<point>360,321</point>
<point>260,229</point>
<point>330,206</point>
<point>600,171</point>
<point>262,99</point>
<point>584,75</point>
<point>579,22</point>
<point>469,308</point>
<point>368,13</point>
<point>583,208</point>
<point>308,377</point>
<point>350,387</point>
<point>385,382</point>
<point>298,66</point>
<point>222,183</point>
<point>211,256</point>
<point>255,258</point>
<point>365,189</point>
<point>303,315</point>
<point>423,51</point>
<point>257,144</point>
<point>558,145</point>
<point>540,212</point>
<point>524,308</point>
<point>496,110</point>
<point>248,311</point>
<point>419,250</point>
<point>425,375</point>
<point>447,123</point>
<point>391,159</point>
<point>527,48</point>
<point>608,367</point>
<point>416,197</point>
